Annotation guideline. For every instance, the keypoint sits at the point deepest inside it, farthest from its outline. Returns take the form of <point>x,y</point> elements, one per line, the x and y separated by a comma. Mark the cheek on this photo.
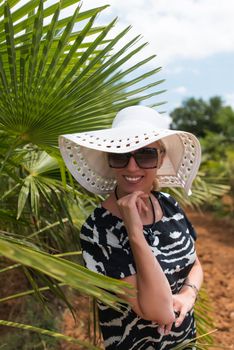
<point>117,173</point>
<point>151,174</point>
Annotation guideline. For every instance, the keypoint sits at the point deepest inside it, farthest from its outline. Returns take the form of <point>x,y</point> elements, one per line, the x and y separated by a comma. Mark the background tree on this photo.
<point>198,116</point>
<point>213,123</point>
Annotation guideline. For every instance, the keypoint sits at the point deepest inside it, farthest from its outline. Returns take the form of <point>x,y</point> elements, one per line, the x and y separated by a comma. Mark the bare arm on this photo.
<point>195,278</point>
<point>153,300</point>
<point>186,298</point>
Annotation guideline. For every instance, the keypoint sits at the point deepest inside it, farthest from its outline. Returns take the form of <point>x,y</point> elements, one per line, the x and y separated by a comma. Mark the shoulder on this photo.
<point>170,207</point>
<point>167,199</point>
<point>174,210</point>
<point>97,215</point>
<point>100,219</point>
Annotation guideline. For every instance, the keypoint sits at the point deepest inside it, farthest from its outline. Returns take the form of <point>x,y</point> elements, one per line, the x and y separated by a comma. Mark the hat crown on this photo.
<point>139,116</point>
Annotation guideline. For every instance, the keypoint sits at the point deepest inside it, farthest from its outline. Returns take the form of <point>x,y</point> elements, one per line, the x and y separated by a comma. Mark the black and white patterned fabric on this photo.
<point>106,250</point>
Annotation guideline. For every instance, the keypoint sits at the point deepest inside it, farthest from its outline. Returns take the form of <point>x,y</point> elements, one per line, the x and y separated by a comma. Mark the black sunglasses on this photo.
<point>145,158</point>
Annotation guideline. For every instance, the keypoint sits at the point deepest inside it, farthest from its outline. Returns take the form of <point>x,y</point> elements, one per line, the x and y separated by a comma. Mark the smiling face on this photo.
<point>132,178</point>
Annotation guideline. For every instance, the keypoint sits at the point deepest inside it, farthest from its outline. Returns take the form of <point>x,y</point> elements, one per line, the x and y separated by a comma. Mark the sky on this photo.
<point>193,41</point>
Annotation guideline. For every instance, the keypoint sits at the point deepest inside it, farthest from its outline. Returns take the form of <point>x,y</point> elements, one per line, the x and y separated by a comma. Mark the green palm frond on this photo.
<point>54,81</point>
<point>204,320</point>
<point>197,343</point>
<point>35,165</point>
<point>85,345</point>
<point>64,271</point>
<point>205,190</point>
<point>58,75</point>
<point>26,293</point>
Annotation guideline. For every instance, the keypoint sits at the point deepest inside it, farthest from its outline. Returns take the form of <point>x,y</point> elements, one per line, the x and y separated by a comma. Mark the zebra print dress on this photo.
<point>106,250</point>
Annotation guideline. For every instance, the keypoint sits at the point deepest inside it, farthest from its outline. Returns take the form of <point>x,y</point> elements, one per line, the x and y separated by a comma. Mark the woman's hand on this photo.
<point>132,207</point>
<point>182,304</point>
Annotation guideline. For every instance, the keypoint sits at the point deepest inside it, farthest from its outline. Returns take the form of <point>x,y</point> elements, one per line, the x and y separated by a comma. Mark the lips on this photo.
<point>133,179</point>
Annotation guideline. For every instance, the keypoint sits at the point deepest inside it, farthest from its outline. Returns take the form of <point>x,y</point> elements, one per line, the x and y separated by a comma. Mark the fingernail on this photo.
<point>160,331</point>
<point>177,324</point>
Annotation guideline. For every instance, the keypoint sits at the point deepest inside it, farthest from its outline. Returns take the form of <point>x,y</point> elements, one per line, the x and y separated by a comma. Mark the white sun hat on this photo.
<point>85,154</point>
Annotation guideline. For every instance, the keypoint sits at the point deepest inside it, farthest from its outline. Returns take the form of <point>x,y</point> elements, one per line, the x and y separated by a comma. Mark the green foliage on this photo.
<point>213,122</point>
<point>57,75</point>
<point>198,116</point>
<point>41,338</point>
<point>63,270</point>
<point>31,313</point>
<point>57,80</point>
<point>225,119</point>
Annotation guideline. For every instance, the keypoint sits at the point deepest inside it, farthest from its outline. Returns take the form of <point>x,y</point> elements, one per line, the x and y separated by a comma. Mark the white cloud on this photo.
<point>181,90</point>
<point>174,70</point>
<point>180,70</point>
<point>176,29</point>
<point>175,105</point>
<point>229,99</point>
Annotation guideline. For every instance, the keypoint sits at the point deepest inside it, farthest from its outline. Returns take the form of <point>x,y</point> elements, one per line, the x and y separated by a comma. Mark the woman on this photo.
<point>138,234</point>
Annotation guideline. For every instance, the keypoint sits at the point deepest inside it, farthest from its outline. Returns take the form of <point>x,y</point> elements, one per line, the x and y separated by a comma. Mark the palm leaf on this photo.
<point>205,190</point>
<point>8,26</point>
<point>64,271</point>
<point>85,345</point>
<point>53,73</point>
<point>196,344</point>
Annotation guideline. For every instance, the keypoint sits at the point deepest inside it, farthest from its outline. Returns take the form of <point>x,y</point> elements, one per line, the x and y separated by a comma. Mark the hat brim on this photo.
<point>85,155</point>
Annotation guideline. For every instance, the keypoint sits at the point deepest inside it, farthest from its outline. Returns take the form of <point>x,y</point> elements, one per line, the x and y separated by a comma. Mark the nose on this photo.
<point>132,165</point>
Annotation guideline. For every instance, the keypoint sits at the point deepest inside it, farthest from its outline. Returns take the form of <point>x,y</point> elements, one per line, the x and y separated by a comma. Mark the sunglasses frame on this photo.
<point>159,151</point>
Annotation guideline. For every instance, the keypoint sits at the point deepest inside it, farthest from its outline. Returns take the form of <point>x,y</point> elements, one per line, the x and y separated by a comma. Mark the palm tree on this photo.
<point>58,75</point>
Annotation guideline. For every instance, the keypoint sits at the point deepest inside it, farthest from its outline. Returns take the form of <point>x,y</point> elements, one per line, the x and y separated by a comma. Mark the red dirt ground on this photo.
<point>215,247</point>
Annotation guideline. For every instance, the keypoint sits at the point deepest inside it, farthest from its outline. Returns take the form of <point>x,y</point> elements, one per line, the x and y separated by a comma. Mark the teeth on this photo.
<point>132,179</point>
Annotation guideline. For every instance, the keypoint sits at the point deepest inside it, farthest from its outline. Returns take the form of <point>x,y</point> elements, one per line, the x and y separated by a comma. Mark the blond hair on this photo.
<point>155,185</point>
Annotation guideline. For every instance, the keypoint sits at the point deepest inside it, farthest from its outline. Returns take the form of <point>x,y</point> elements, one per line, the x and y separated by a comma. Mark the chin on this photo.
<point>130,188</point>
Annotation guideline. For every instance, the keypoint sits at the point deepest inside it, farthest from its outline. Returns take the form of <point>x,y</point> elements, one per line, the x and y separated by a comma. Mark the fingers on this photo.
<point>181,316</point>
<point>165,329</point>
<point>136,198</point>
<point>132,208</point>
<point>133,196</point>
<point>161,330</point>
<point>181,307</point>
<point>141,205</point>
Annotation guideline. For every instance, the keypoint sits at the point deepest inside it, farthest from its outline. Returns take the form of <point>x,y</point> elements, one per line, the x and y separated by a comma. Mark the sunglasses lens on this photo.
<point>117,160</point>
<point>146,158</point>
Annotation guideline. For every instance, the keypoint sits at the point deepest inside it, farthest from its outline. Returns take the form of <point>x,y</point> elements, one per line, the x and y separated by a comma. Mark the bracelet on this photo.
<point>193,287</point>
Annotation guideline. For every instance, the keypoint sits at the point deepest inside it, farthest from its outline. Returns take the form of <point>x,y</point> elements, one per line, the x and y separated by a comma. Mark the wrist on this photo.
<point>135,231</point>
<point>191,288</point>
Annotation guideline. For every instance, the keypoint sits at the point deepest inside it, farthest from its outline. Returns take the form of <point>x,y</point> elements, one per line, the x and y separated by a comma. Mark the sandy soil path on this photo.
<point>215,247</point>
